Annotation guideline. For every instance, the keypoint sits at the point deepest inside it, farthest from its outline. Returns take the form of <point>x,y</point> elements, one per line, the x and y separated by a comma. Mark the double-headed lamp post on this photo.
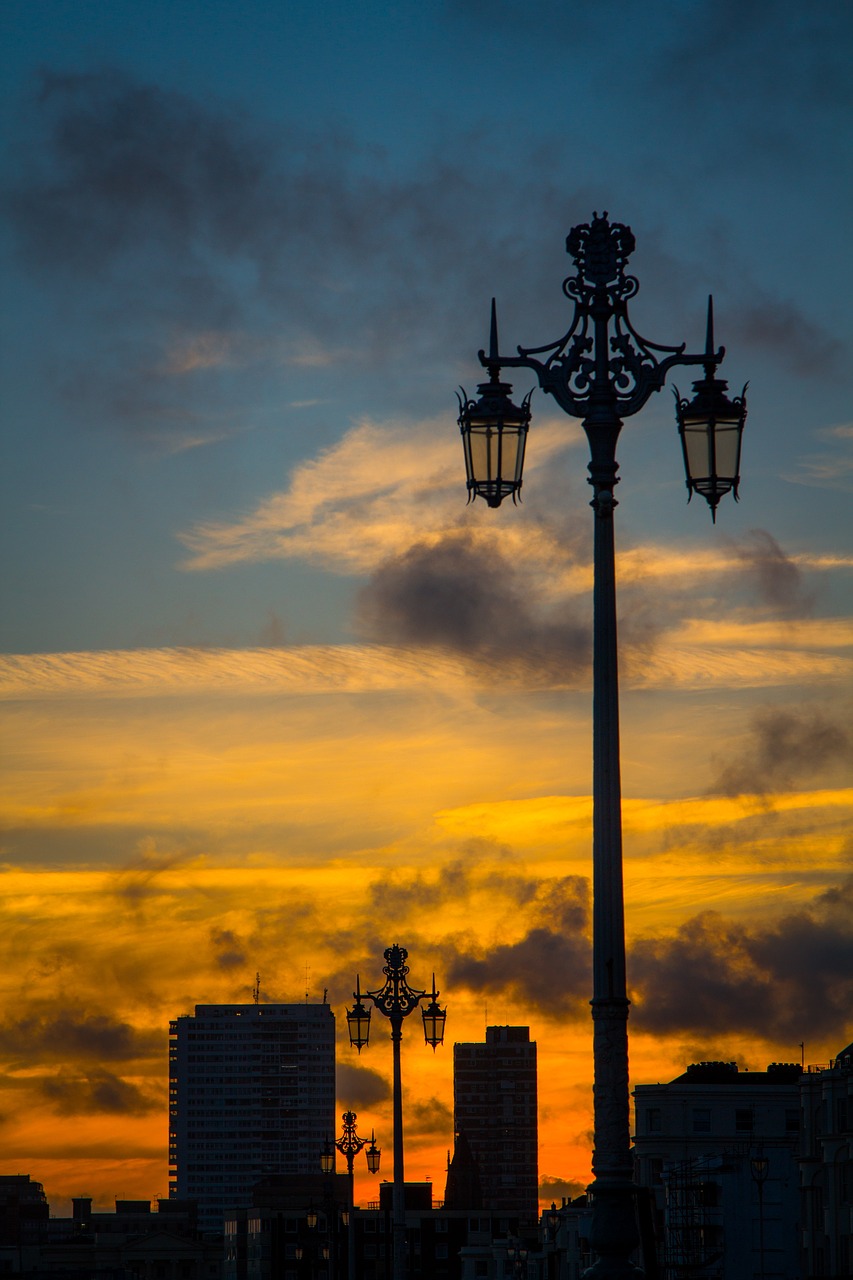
<point>603,371</point>
<point>396,1000</point>
<point>350,1143</point>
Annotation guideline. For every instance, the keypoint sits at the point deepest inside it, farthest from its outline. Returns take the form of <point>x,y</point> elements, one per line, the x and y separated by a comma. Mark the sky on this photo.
<point>274,696</point>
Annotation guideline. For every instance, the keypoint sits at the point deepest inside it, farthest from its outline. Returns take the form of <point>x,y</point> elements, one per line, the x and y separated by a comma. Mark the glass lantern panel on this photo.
<point>727,445</point>
<point>697,447</point>
<point>484,445</point>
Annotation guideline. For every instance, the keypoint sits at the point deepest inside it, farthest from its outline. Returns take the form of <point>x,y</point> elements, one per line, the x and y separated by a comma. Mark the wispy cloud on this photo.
<point>366,498</point>
<point>832,468</point>
<point>787,744</point>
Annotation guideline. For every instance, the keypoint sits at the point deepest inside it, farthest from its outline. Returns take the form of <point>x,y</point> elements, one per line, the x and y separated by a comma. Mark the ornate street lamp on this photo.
<point>603,371</point>
<point>396,1000</point>
<point>350,1143</point>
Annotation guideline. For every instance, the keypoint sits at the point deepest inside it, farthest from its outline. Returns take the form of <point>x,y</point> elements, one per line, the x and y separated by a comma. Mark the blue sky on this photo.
<point>349,188</point>
<point>254,644</point>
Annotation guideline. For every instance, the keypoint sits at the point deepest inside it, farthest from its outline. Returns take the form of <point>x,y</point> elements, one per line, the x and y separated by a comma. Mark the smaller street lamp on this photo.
<point>396,1000</point>
<point>518,1256</point>
<point>552,1228</point>
<point>350,1143</point>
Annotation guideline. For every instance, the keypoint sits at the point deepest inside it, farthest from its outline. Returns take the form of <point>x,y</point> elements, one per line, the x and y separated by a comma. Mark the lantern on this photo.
<point>711,428</point>
<point>494,433</point>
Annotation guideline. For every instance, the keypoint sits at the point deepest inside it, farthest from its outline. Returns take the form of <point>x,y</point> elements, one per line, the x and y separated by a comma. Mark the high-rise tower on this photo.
<point>251,1093</point>
<point>495,1106</point>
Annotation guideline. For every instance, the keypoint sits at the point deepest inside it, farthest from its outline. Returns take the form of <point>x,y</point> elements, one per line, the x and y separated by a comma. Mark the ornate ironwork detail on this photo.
<point>600,249</point>
<point>396,999</point>
<point>601,367</point>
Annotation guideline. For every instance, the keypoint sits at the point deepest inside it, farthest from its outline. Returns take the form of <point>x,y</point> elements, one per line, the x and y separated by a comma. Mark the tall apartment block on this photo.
<point>495,1106</point>
<point>251,1093</point>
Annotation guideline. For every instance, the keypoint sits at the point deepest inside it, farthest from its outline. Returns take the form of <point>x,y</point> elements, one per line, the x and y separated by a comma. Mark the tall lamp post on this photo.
<point>396,1000</point>
<point>603,371</point>
<point>350,1143</point>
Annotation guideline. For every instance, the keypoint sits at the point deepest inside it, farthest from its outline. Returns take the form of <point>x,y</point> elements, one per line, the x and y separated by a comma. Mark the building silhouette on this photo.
<point>251,1094</point>
<point>495,1108</point>
<point>826,1167</point>
<point>718,1148</point>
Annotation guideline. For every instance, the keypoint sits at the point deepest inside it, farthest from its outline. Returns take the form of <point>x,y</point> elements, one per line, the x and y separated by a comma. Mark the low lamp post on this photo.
<point>603,371</point>
<point>552,1224</point>
<point>518,1257</point>
<point>396,1000</point>
<point>350,1143</point>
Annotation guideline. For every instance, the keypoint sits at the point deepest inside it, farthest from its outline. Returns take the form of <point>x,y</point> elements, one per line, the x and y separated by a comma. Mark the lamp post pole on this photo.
<point>396,1000</point>
<point>603,371</point>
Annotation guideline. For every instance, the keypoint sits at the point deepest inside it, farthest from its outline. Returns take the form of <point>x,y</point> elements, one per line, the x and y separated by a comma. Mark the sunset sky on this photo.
<point>274,697</point>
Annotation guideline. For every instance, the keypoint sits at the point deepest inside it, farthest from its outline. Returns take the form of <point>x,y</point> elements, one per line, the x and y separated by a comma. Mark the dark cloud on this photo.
<point>179,217</point>
<point>784,330</point>
<point>466,597</point>
<point>429,1118</point>
<point>228,949</point>
<point>785,748</point>
<point>58,1036</point>
<point>788,981</point>
<point>794,64</point>
<point>455,881</point>
<point>133,165</point>
<point>95,1093</point>
<point>549,969</point>
<point>138,879</point>
<point>358,1086</point>
<point>776,579</point>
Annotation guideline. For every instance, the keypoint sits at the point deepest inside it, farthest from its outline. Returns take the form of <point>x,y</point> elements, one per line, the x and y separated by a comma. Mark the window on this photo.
<point>744,1120</point>
<point>653,1121</point>
<point>701,1119</point>
<point>792,1120</point>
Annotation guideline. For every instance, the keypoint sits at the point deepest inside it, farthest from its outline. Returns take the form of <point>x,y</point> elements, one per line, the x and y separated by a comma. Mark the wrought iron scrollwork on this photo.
<point>601,361</point>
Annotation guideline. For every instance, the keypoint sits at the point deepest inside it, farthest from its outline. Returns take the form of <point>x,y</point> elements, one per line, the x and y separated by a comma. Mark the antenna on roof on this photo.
<point>256,989</point>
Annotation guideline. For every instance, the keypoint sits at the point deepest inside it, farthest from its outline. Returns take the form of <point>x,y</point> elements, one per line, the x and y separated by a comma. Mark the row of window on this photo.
<point>702,1118</point>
